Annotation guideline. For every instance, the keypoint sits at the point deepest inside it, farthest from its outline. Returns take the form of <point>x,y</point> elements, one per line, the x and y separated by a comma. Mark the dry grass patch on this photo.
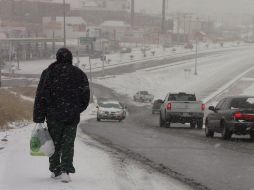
<point>28,91</point>
<point>13,108</point>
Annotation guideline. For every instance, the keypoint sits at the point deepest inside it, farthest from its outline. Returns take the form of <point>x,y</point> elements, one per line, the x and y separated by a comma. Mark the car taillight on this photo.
<point>203,107</point>
<point>169,106</point>
<point>238,115</point>
<point>241,116</point>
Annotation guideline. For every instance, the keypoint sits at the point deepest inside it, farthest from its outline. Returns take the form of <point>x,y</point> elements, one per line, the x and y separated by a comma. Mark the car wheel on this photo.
<point>153,112</point>
<point>226,134</point>
<point>252,135</point>
<point>168,124</point>
<point>193,124</point>
<point>208,132</point>
<point>162,122</point>
<point>200,123</point>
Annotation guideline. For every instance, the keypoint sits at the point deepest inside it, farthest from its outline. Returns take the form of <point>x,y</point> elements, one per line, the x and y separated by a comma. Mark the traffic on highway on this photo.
<point>126,94</point>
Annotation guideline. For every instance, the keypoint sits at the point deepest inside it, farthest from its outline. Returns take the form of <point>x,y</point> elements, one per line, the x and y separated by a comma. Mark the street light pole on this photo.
<point>0,73</point>
<point>91,80</point>
<point>64,13</point>
<point>163,16</point>
<point>196,57</point>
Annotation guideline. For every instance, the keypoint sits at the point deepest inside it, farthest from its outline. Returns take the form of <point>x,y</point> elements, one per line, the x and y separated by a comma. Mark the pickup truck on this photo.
<point>182,108</point>
<point>143,96</point>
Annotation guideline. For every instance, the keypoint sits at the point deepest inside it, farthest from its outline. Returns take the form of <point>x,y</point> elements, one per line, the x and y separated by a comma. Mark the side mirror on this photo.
<point>212,108</point>
<point>160,101</point>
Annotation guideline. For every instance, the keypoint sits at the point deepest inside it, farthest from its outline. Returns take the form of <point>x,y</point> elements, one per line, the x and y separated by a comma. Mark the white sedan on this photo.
<point>110,110</point>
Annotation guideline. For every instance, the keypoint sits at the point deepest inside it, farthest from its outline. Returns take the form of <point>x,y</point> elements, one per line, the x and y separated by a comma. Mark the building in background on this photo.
<point>114,30</point>
<point>76,27</point>
<point>29,13</point>
<point>109,5</point>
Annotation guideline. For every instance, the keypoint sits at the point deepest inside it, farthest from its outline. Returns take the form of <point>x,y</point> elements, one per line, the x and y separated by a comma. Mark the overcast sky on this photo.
<point>202,6</point>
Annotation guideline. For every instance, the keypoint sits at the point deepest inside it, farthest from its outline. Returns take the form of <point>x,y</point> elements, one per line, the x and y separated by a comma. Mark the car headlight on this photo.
<point>101,112</point>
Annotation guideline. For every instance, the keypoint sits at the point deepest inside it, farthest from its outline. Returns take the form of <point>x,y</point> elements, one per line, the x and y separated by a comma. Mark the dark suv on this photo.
<point>232,115</point>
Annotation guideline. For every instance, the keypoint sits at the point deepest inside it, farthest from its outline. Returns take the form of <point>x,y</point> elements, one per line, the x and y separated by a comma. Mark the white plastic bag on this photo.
<point>41,143</point>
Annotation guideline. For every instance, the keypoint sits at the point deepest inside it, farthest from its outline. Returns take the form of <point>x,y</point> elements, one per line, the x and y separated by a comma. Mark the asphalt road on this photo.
<point>179,151</point>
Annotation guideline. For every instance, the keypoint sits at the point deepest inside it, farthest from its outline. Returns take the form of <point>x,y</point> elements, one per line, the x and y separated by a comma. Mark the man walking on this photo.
<point>62,94</point>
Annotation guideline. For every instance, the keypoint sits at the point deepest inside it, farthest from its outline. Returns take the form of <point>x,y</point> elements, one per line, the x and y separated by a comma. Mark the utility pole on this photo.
<point>132,13</point>
<point>196,55</point>
<point>91,79</point>
<point>163,16</point>
<point>189,31</point>
<point>1,71</point>
<point>64,13</point>
<point>184,27</point>
<point>78,60</point>
<point>197,35</point>
<point>53,44</point>
<point>103,59</point>
<point>178,29</point>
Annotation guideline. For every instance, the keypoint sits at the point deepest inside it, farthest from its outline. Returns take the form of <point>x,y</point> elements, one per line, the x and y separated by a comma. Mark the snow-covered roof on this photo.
<point>114,23</point>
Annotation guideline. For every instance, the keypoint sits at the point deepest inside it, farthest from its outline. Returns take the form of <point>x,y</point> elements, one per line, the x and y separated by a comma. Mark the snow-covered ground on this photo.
<point>116,59</point>
<point>180,78</point>
<point>97,168</point>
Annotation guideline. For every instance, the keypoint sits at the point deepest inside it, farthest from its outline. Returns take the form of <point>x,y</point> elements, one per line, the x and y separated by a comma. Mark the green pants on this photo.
<point>63,135</point>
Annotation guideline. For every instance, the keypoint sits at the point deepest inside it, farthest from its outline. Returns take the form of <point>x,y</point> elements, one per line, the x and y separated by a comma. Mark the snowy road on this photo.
<point>214,163</point>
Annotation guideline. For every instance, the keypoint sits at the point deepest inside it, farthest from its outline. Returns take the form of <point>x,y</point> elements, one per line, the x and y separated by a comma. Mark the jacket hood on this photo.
<point>64,55</point>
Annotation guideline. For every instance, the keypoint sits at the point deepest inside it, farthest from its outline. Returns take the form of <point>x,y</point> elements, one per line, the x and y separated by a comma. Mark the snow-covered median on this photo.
<point>117,59</point>
<point>213,73</point>
<point>97,168</point>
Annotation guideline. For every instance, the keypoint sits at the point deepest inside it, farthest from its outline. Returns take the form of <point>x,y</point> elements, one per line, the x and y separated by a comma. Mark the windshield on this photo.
<point>144,93</point>
<point>127,94</point>
<point>110,105</point>
<point>181,97</point>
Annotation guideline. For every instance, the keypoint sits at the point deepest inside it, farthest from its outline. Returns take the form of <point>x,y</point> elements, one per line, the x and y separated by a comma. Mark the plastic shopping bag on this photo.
<point>41,143</point>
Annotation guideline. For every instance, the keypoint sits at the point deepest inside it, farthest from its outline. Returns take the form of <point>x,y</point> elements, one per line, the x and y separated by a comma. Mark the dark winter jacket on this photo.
<point>62,94</point>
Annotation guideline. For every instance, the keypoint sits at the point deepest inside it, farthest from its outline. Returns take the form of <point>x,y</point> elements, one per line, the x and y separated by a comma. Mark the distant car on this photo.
<point>143,96</point>
<point>157,106</point>
<point>110,110</point>
<point>102,100</point>
<point>232,115</point>
<point>125,50</point>
<point>188,46</point>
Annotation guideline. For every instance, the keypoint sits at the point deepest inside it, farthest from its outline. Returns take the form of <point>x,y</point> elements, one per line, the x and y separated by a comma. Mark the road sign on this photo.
<point>86,40</point>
